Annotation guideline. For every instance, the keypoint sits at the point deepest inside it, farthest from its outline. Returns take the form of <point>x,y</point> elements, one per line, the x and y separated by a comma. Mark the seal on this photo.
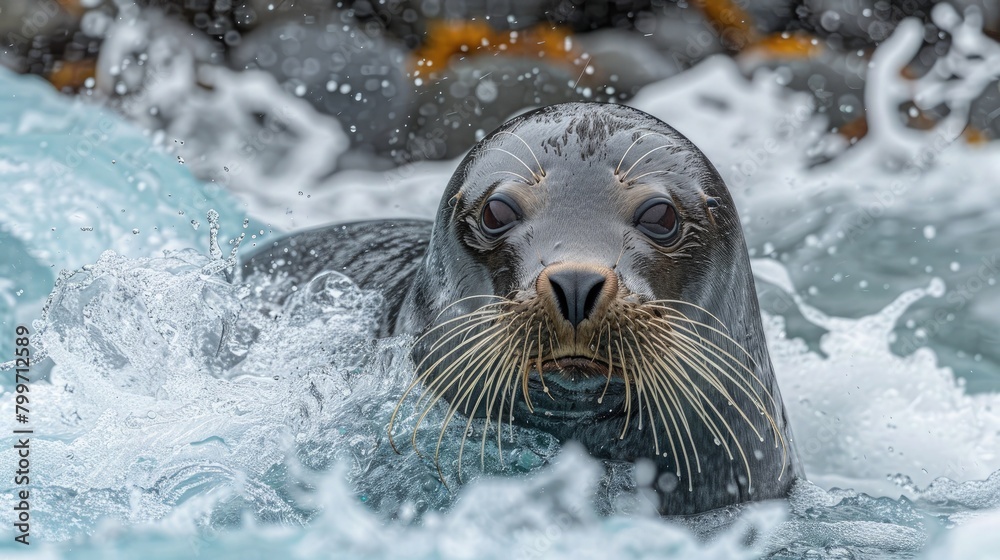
<point>586,275</point>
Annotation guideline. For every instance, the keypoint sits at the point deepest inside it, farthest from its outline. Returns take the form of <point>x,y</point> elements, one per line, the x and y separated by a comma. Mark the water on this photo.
<point>78,180</point>
<point>181,413</point>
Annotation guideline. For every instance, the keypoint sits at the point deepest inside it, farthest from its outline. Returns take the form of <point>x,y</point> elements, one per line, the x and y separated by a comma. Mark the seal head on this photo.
<point>587,276</point>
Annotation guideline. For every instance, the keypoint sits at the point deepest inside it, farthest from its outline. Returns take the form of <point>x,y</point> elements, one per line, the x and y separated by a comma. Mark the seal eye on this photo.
<point>657,218</point>
<point>499,214</point>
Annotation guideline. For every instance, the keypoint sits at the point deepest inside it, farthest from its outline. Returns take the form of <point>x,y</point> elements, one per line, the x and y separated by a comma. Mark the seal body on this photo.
<point>586,275</point>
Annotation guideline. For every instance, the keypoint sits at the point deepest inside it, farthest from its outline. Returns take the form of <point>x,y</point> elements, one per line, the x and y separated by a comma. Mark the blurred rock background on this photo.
<point>423,80</point>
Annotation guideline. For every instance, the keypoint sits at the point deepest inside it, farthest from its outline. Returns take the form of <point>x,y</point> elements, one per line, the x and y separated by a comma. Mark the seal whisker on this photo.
<point>503,350</point>
<point>419,379</point>
<point>437,388</point>
<point>641,395</point>
<point>611,366</point>
<point>633,180</point>
<point>695,401</point>
<point>511,389</point>
<point>485,314</point>
<point>628,382</point>
<point>707,344</point>
<point>541,170</point>
<point>694,396</point>
<point>492,332</point>
<point>656,303</point>
<point>525,372</point>
<point>680,414</point>
<point>725,337</point>
<point>641,381</point>
<point>624,177</point>
<point>451,379</point>
<point>620,255</point>
<point>489,372</point>
<point>732,434</point>
<point>518,175</point>
<point>645,396</point>
<point>687,348</point>
<point>668,377</point>
<point>662,384</point>
<point>716,384</point>
<point>487,311</point>
<point>460,331</point>
<point>721,350</point>
<point>511,154</point>
<point>506,367</point>
<point>628,388</point>
<point>634,142</point>
<point>467,298</point>
<point>677,368</point>
<point>541,376</point>
<point>720,353</point>
<point>476,317</point>
<point>691,392</point>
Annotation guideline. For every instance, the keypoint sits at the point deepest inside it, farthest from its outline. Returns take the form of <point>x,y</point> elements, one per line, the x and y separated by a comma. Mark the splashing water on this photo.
<point>78,180</point>
<point>182,405</point>
<point>188,414</point>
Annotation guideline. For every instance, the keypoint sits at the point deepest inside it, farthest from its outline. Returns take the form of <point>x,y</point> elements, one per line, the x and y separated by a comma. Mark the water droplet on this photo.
<point>135,231</point>
<point>667,482</point>
<point>487,91</point>
<point>830,20</point>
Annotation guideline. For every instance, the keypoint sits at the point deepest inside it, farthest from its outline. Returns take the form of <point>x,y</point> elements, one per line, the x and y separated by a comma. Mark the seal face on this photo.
<point>587,276</point>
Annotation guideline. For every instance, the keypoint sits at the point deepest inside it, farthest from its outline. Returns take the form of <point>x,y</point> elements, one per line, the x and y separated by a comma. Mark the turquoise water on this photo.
<point>174,418</point>
<point>78,180</point>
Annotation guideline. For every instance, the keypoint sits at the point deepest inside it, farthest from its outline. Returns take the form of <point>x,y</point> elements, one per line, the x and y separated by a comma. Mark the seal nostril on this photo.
<point>561,299</point>
<point>591,301</point>
<point>576,292</point>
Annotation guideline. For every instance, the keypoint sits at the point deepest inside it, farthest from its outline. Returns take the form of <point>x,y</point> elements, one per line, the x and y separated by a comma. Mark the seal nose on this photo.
<point>576,291</point>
